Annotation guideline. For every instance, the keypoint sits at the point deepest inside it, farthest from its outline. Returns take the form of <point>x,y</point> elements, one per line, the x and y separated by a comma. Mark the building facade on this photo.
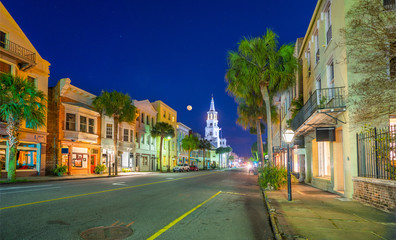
<point>74,129</point>
<point>182,132</point>
<point>19,57</point>
<point>146,146</point>
<point>169,150</point>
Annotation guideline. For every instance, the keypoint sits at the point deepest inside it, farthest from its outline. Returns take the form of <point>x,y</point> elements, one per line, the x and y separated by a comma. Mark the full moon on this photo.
<point>189,107</point>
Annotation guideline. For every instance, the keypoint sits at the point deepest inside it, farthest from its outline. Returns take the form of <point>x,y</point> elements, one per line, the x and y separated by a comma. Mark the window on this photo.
<point>173,118</point>
<point>70,121</point>
<point>330,74</point>
<point>83,124</point>
<point>2,39</point>
<point>324,159</point>
<point>109,130</point>
<point>131,140</point>
<point>329,34</point>
<point>91,125</point>
<point>147,120</point>
<point>5,68</point>
<point>211,124</point>
<point>136,138</point>
<point>164,114</point>
<point>28,124</point>
<point>126,134</point>
<point>308,56</point>
<point>152,121</point>
<point>142,118</point>
<point>169,116</point>
<point>142,139</point>
<point>317,56</point>
<point>389,4</point>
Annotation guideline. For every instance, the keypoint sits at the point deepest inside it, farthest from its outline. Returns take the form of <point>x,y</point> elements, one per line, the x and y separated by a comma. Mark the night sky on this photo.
<point>174,51</point>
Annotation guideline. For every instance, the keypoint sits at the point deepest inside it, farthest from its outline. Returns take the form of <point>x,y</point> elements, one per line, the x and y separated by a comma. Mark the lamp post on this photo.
<point>288,136</point>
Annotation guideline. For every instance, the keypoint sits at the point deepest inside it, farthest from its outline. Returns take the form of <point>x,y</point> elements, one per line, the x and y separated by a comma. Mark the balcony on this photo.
<point>321,109</point>
<point>390,4</point>
<point>80,136</point>
<point>26,58</point>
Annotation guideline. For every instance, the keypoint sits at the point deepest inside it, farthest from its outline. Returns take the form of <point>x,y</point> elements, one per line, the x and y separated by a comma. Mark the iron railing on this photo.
<point>325,98</point>
<point>18,50</point>
<point>329,34</point>
<point>376,153</point>
<point>390,4</point>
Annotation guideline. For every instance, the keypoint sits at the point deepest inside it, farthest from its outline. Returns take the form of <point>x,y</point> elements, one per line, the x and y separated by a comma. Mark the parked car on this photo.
<point>178,168</point>
<point>181,168</point>
<point>186,167</point>
<point>193,168</point>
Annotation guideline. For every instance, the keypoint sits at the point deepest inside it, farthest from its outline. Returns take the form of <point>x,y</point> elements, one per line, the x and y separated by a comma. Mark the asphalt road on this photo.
<point>195,205</point>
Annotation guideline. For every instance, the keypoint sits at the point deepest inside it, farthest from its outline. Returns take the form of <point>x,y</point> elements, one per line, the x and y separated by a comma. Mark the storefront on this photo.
<point>30,160</point>
<point>80,159</point>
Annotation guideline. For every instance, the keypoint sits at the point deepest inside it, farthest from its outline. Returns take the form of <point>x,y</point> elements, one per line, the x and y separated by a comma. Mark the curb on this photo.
<point>272,215</point>
<point>56,179</point>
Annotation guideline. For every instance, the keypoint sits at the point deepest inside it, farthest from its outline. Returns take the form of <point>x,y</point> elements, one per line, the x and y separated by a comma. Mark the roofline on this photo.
<point>310,26</point>
<point>161,102</point>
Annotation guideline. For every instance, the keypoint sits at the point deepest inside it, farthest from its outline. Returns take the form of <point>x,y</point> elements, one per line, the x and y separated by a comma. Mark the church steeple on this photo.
<point>212,107</point>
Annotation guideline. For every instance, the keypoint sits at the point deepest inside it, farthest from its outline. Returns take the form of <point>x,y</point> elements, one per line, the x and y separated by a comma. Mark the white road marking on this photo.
<point>169,178</point>
<point>120,184</point>
<point>29,190</point>
<point>11,188</point>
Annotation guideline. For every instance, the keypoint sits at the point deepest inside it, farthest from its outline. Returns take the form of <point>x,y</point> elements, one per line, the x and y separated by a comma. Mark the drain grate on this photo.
<point>107,233</point>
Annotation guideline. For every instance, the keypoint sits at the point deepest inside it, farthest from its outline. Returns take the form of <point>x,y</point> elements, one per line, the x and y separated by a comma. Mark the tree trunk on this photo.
<point>260,141</point>
<point>13,142</point>
<point>160,155</point>
<point>115,142</point>
<point>189,157</point>
<point>266,98</point>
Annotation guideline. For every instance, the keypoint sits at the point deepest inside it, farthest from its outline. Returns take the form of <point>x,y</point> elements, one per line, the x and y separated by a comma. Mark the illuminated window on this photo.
<point>91,125</point>
<point>2,39</point>
<point>109,130</point>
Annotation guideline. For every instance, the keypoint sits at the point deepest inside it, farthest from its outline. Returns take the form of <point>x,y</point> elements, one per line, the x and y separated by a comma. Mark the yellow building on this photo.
<point>19,57</point>
<point>169,149</point>
<point>325,123</point>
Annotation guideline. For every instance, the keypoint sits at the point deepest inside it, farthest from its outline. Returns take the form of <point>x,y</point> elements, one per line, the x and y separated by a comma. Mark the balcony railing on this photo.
<point>18,50</point>
<point>390,4</point>
<point>329,34</point>
<point>325,98</point>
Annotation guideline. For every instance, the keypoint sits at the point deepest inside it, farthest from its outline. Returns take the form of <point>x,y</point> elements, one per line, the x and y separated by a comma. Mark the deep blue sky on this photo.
<point>174,51</point>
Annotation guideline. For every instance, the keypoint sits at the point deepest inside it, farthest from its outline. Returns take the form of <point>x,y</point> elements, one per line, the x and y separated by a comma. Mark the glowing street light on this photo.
<point>288,136</point>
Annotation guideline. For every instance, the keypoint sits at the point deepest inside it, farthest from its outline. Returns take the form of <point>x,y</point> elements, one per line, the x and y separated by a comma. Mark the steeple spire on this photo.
<point>212,107</point>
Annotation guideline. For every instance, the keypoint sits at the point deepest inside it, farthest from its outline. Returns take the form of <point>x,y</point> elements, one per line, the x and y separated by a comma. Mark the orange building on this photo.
<point>74,129</point>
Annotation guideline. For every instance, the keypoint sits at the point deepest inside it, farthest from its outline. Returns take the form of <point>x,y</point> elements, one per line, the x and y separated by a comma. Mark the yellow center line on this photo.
<point>180,218</point>
<point>104,191</point>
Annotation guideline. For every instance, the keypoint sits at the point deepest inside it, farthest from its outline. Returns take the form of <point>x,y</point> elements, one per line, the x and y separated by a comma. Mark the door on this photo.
<point>93,163</point>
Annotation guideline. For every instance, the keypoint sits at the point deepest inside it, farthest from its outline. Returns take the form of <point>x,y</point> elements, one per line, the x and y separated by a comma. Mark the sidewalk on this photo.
<point>316,214</point>
<point>72,177</point>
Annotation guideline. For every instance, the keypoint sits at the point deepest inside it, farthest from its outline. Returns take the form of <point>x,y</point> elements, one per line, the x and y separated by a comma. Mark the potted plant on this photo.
<point>60,170</point>
<point>100,168</point>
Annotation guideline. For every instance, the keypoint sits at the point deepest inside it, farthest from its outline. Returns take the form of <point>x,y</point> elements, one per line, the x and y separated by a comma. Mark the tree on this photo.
<point>370,41</point>
<point>255,151</point>
<point>162,130</point>
<point>251,115</point>
<point>118,106</point>
<point>260,65</point>
<point>204,145</point>
<point>19,101</point>
<point>190,143</point>
<point>228,150</point>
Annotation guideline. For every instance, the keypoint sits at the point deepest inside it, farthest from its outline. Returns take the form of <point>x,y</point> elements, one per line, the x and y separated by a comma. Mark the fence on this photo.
<point>376,150</point>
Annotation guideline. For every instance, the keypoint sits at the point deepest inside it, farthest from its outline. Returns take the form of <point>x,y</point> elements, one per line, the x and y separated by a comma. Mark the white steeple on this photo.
<point>212,130</point>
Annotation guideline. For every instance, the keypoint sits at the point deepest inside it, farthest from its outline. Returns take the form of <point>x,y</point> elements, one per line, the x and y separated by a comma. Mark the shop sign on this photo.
<point>79,150</point>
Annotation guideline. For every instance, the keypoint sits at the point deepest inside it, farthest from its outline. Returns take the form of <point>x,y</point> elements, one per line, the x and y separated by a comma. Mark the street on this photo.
<point>194,205</point>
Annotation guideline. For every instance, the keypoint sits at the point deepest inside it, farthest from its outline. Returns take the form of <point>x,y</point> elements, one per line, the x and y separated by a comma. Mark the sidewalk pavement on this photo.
<point>316,214</point>
<point>71,177</point>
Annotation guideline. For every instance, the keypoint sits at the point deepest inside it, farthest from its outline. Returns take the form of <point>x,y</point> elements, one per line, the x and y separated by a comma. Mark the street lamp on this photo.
<point>288,136</point>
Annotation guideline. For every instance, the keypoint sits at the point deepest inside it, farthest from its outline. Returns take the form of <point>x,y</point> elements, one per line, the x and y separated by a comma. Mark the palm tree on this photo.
<point>261,65</point>
<point>163,130</point>
<point>251,115</point>
<point>119,106</point>
<point>20,101</point>
<point>204,144</point>
<point>190,143</point>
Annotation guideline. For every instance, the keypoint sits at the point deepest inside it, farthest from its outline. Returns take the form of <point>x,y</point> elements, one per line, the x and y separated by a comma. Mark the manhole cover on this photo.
<point>107,233</point>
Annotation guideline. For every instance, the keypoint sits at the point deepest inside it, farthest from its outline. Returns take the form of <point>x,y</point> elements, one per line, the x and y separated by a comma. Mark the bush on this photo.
<point>60,170</point>
<point>272,177</point>
<point>100,168</point>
